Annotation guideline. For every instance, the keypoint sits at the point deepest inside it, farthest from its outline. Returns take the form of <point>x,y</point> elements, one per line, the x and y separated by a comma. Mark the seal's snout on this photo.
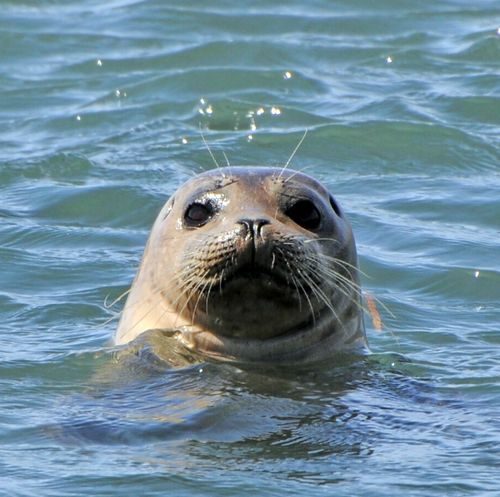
<point>253,227</point>
<point>253,250</point>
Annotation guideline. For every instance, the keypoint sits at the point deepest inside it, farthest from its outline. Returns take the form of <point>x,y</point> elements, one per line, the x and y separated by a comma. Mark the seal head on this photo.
<point>250,264</point>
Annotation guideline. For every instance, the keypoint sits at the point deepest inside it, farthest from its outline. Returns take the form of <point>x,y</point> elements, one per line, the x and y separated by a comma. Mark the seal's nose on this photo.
<point>254,226</point>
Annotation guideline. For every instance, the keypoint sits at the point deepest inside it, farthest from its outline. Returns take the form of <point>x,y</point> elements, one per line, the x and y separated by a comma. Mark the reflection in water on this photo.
<point>286,423</point>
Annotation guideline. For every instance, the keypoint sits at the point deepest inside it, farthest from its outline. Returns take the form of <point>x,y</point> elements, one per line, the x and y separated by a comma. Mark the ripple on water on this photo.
<point>101,122</point>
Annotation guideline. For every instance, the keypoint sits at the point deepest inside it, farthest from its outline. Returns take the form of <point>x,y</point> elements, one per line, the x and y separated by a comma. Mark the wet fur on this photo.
<point>303,305</point>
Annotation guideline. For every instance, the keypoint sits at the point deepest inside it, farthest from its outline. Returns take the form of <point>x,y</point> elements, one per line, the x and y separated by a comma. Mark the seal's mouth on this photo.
<point>258,274</point>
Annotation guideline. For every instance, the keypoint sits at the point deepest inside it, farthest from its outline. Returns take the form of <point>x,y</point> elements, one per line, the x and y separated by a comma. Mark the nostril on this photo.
<point>258,223</point>
<point>254,226</point>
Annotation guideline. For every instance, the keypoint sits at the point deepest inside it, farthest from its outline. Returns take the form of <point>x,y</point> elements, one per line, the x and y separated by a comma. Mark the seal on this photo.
<point>250,264</point>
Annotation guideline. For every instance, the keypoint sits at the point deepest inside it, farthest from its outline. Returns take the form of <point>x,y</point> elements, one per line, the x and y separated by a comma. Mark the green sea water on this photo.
<point>101,107</point>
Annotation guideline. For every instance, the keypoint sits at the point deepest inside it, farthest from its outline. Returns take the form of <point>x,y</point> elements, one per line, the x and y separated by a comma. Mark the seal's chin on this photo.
<point>295,344</point>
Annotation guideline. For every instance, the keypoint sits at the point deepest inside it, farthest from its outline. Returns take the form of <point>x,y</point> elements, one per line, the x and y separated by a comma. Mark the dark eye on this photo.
<point>305,214</point>
<point>198,214</point>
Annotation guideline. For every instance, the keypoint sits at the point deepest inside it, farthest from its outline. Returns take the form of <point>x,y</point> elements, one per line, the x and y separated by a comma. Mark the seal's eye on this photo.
<point>305,214</point>
<point>198,214</point>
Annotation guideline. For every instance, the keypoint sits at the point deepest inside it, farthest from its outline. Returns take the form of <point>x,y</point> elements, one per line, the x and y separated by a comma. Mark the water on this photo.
<point>100,109</point>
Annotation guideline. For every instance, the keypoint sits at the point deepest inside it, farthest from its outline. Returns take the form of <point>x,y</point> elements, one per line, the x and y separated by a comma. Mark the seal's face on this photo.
<point>249,256</point>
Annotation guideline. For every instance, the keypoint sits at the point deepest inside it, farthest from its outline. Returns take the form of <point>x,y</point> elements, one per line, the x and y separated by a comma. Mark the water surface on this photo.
<point>101,106</point>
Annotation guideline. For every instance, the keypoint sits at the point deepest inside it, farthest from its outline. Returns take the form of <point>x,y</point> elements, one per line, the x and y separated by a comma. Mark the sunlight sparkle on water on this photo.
<point>207,110</point>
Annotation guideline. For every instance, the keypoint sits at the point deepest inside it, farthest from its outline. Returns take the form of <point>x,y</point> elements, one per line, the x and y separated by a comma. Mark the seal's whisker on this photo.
<point>190,278</point>
<point>332,240</point>
<point>209,149</point>
<point>351,285</point>
<point>165,311</point>
<point>207,297</point>
<point>107,306</point>
<point>112,304</point>
<point>319,293</point>
<point>227,160</point>
<point>221,279</point>
<point>294,281</point>
<point>188,292</point>
<point>201,293</point>
<point>295,173</point>
<point>340,262</point>
<point>304,292</point>
<point>348,291</point>
<point>130,305</point>
<point>334,274</point>
<point>136,323</point>
<point>317,265</point>
<point>346,286</point>
<point>166,238</point>
<point>293,154</point>
<point>297,283</point>
<point>115,315</point>
<point>188,288</point>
